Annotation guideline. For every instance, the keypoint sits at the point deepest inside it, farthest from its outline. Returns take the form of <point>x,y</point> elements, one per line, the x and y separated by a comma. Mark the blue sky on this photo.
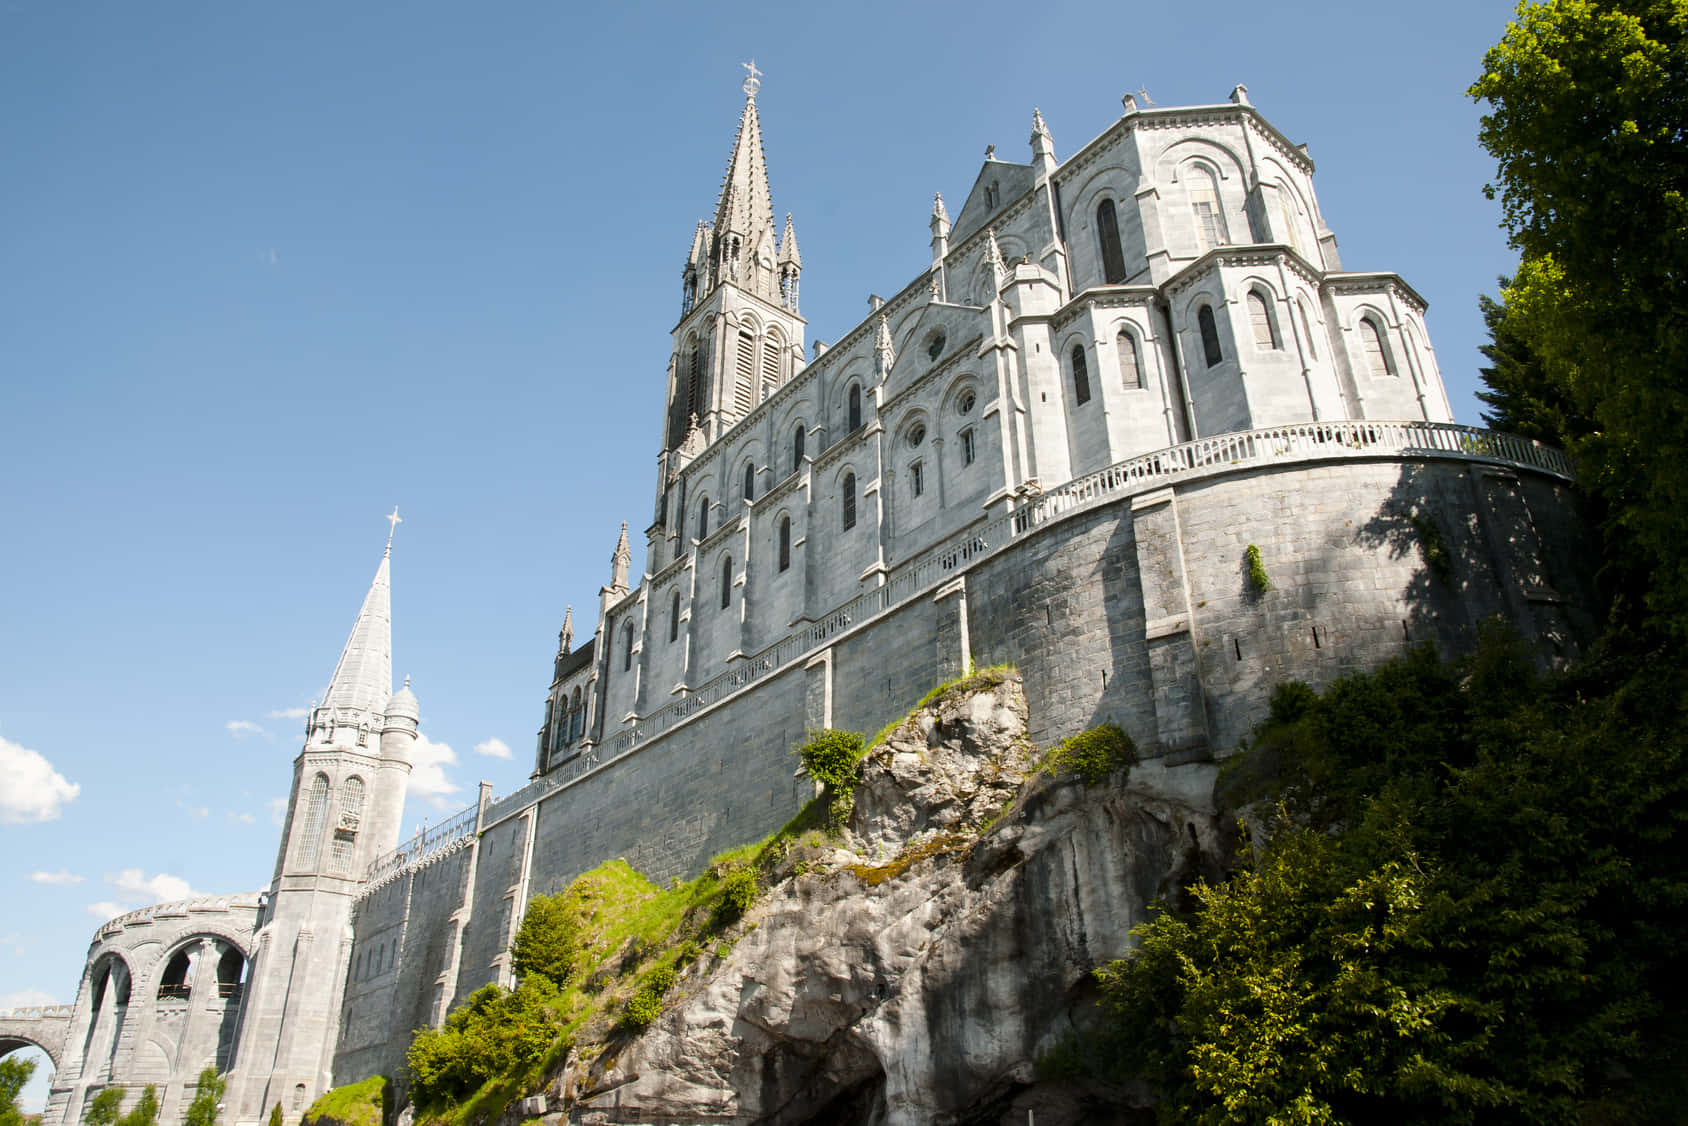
<point>271,269</point>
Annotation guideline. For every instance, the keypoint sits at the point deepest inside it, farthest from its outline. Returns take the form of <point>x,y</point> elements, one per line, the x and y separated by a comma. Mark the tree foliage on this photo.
<point>1468,906</point>
<point>1587,103</point>
<point>104,1108</point>
<point>207,1097</point>
<point>494,1033</point>
<point>14,1074</point>
<point>548,943</point>
<point>275,1115</point>
<point>145,1110</point>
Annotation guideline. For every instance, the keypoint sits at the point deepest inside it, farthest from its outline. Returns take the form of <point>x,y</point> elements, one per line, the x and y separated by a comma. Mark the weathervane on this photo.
<point>393,522</point>
<point>752,80</point>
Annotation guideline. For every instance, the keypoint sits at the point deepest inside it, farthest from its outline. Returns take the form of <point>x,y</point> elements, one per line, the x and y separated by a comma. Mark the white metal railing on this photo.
<point>427,843</point>
<point>1225,453</point>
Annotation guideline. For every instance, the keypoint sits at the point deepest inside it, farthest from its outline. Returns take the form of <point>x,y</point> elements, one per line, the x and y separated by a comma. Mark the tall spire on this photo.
<point>619,562</point>
<point>363,680</point>
<point>744,230</point>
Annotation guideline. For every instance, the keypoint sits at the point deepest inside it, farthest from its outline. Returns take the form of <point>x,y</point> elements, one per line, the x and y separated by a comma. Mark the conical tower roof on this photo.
<point>746,207</point>
<point>363,680</point>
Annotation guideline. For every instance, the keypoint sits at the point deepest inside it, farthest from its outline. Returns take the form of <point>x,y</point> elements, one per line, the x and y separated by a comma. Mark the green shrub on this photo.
<point>275,1115</point>
<point>208,1092</point>
<point>548,943</point>
<point>495,1033</point>
<point>834,758</point>
<point>1257,576</point>
<point>356,1104</point>
<point>738,893</point>
<point>1093,755</point>
<point>646,1003</point>
<point>145,1112</point>
<point>105,1108</point>
<point>14,1073</point>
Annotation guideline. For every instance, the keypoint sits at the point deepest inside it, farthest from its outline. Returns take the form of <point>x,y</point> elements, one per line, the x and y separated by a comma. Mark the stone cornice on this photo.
<point>1105,297</point>
<point>1373,282</point>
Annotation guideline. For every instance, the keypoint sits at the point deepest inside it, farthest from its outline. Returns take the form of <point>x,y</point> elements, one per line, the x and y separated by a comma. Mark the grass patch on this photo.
<point>356,1104</point>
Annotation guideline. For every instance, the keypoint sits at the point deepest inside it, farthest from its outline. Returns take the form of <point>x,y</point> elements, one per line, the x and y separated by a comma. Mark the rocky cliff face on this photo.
<point>915,970</point>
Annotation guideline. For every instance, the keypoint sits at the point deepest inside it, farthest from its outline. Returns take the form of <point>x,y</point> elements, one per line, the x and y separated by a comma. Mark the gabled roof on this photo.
<point>1011,180</point>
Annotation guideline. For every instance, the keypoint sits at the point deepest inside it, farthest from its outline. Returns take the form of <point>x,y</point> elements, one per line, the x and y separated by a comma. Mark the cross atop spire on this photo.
<point>752,78</point>
<point>393,523</point>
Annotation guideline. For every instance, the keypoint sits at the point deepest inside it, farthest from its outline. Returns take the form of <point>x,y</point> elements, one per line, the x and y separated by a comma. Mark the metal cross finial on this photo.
<point>393,522</point>
<point>752,81</point>
<point>1144,94</point>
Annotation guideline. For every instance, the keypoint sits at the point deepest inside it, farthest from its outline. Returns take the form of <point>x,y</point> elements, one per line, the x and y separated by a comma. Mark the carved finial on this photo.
<point>1037,121</point>
<point>393,523</point>
<point>1129,102</point>
<point>752,78</point>
<point>1239,95</point>
<point>620,560</point>
<point>565,636</point>
<point>993,252</point>
<point>407,680</point>
<point>884,350</point>
<point>990,152</point>
<point>938,211</point>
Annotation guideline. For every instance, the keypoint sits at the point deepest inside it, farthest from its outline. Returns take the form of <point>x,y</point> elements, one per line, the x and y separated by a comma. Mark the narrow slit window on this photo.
<point>726,582</point>
<point>1130,368</point>
<point>627,648</point>
<point>849,501</point>
<point>855,407</point>
<point>1107,233</point>
<point>674,617</point>
<point>749,480</point>
<point>797,448</point>
<point>917,478</point>
<point>703,518</point>
<point>968,451</point>
<point>1378,360</point>
<point>1260,317</point>
<point>1081,376</point>
<point>1210,336</point>
<point>785,543</point>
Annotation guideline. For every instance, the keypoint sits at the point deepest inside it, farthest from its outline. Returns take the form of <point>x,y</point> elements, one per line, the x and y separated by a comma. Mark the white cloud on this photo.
<point>106,909</point>
<point>30,789</point>
<point>494,748</point>
<point>197,812</point>
<point>241,728</point>
<point>62,877</point>
<point>23,997</point>
<point>428,781</point>
<point>135,886</point>
<point>241,818</point>
<point>278,811</point>
<point>288,713</point>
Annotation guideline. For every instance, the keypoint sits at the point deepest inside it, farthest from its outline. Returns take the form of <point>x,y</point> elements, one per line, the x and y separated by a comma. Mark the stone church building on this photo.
<point>1123,372</point>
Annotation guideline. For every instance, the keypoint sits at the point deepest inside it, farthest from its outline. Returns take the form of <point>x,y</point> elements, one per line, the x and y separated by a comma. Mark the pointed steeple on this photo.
<point>565,636</point>
<point>1043,145</point>
<point>619,562</point>
<point>743,232</point>
<point>363,680</point>
<point>789,254</point>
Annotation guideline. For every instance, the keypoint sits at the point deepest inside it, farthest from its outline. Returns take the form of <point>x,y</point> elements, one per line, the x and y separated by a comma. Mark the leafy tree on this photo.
<point>105,1108</point>
<point>494,1033</point>
<point>1587,100</point>
<point>14,1074</point>
<point>1520,397</point>
<point>145,1110</point>
<point>275,1115</point>
<point>548,943</point>
<point>204,1108</point>
<point>1486,934</point>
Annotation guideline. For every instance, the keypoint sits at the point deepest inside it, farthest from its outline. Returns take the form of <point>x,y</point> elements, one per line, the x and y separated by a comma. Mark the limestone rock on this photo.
<point>919,977</point>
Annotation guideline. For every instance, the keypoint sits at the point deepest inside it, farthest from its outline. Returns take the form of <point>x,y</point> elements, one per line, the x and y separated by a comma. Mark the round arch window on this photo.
<point>917,434</point>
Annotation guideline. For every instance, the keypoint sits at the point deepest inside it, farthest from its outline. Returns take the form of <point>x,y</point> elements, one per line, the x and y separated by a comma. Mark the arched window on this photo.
<point>1204,204</point>
<point>703,518</point>
<point>750,480</point>
<point>1210,335</point>
<point>674,617</point>
<point>1107,232</point>
<point>1130,367</point>
<point>175,984</point>
<point>1307,329</point>
<point>726,582</point>
<point>1081,376</point>
<point>1260,317</point>
<point>627,647</point>
<point>310,833</point>
<point>346,831</point>
<point>694,379</point>
<point>1378,360</point>
<point>917,478</point>
<point>797,448</point>
<point>855,407</point>
<point>577,722</point>
<point>849,501</point>
<point>785,543</point>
